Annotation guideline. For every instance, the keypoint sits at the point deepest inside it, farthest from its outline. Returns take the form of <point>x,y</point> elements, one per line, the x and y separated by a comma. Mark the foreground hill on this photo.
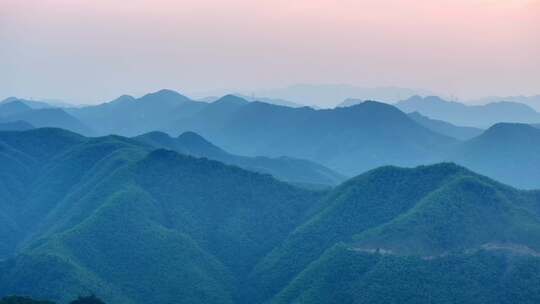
<point>349,140</point>
<point>427,213</point>
<point>284,168</point>
<point>113,216</point>
<point>110,215</point>
<point>480,116</point>
<point>507,152</point>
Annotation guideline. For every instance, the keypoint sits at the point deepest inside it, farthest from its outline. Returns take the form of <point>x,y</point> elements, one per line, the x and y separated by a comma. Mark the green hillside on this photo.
<point>134,224</point>
<point>423,211</point>
<point>109,215</point>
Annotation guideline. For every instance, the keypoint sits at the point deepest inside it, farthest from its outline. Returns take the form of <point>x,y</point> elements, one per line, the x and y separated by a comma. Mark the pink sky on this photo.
<point>90,51</point>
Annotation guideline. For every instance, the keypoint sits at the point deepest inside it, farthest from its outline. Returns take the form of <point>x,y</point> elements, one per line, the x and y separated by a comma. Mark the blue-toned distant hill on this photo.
<point>446,128</point>
<point>507,152</point>
<point>130,116</point>
<point>533,101</point>
<point>33,104</point>
<point>17,110</point>
<point>15,126</point>
<point>288,169</point>
<point>329,95</point>
<point>480,116</point>
<point>349,140</point>
<point>13,107</point>
<point>274,101</point>
<point>115,217</point>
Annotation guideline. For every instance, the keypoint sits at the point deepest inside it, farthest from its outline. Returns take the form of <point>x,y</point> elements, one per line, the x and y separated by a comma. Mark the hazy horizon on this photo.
<point>93,51</point>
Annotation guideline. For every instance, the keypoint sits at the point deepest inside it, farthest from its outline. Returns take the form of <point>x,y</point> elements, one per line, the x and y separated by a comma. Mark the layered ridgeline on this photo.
<point>38,114</point>
<point>481,116</point>
<point>297,171</point>
<point>349,140</point>
<point>446,128</point>
<point>132,224</point>
<point>110,215</point>
<point>508,152</point>
<point>130,116</point>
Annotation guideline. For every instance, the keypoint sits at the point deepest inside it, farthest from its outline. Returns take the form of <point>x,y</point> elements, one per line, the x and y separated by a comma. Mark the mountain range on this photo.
<point>349,140</point>
<point>130,116</point>
<point>135,224</point>
<point>533,101</point>
<point>329,95</point>
<point>327,143</point>
<point>297,171</point>
<point>38,115</point>
<point>480,116</point>
<point>507,152</point>
<point>445,128</point>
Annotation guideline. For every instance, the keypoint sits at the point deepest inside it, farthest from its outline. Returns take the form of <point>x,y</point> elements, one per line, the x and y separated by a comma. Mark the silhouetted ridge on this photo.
<point>289,169</point>
<point>123,99</point>
<point>13,107</point>
<point>165,96</point>
<point>18,125</point>
<point>231,100</point>
<point>511,132</point>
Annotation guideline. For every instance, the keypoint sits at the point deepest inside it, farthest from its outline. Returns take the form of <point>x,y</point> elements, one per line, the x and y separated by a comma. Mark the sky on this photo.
<point>90,51</point>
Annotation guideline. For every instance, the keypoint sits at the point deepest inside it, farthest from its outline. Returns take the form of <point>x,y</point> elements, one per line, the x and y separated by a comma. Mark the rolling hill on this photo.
<point>349,140</point>
<point>15,126</point>
<point>17,110</point>
<point>114,216</point>
<point>419,214</point>
<point>130,116</point>
<point>445,128</point>
<point>507,152</point>
<point>479,116</point>
<point>110,215</point>
<point>288,169</point>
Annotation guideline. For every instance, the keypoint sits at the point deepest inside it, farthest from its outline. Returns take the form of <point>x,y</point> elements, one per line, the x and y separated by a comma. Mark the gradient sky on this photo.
<point>94,50</point>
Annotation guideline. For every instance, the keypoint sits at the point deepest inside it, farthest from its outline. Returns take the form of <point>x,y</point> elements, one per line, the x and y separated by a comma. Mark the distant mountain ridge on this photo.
<point>329,95</point>
<point>15,126</point>
<point>445,128</point>
<point>284,168</point>
<point>130,116</point>
<point>507,152</point>
<point>480,116</point>
<point>533,101</point>
<point>18,110</point>
<point>350,140</point>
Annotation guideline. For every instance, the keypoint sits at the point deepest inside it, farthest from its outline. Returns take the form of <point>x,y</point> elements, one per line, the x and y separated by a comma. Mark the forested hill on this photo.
<point>135,224</point>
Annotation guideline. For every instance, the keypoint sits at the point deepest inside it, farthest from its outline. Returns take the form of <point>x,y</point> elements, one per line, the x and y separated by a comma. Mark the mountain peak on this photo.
<point>190,135</point>
<point>507,130</point>
<point>232,99</point>
<point>197,145</point>
<point>9,99</point>
<point>13,107</point>
<point>123,98</point>
<point>165,95</point>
